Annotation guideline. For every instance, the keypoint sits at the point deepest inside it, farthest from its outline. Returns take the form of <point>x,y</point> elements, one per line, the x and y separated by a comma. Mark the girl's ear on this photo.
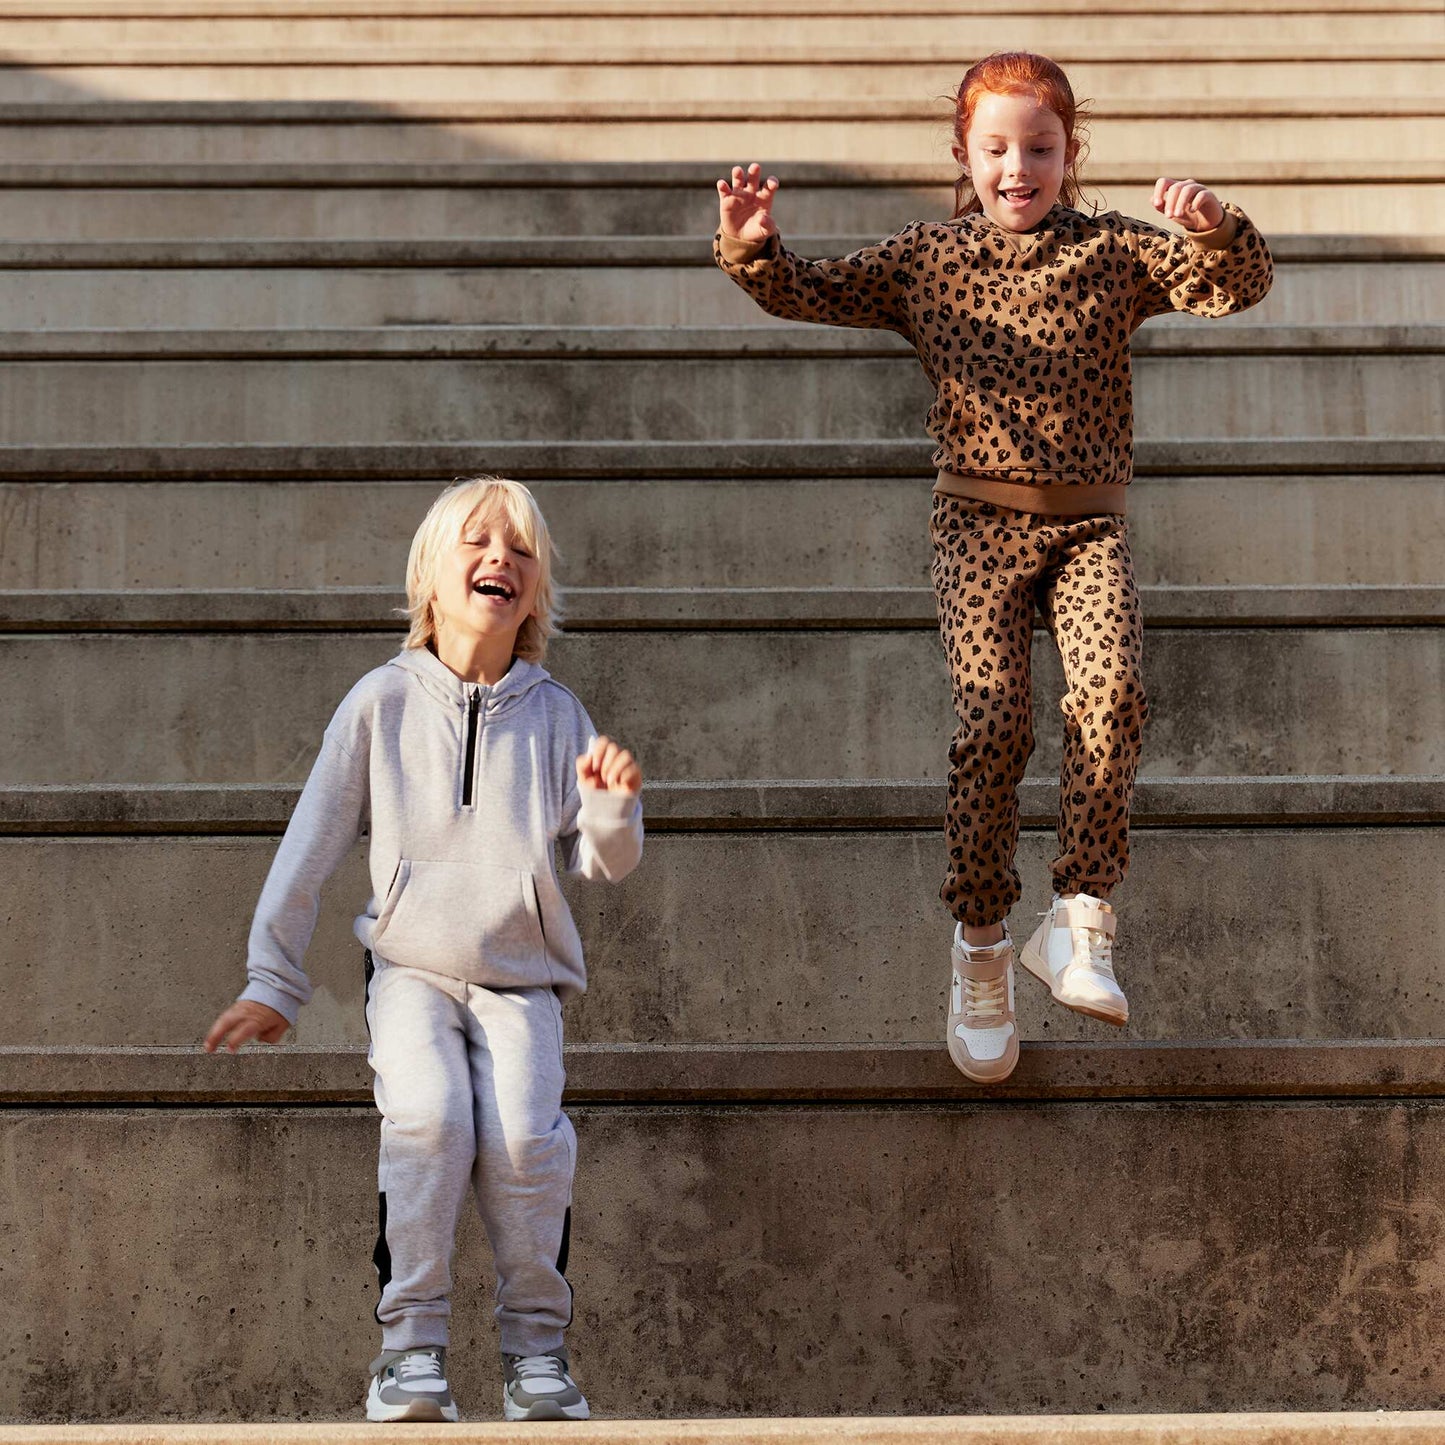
<point>961,156</point>
<point>1071,151</point>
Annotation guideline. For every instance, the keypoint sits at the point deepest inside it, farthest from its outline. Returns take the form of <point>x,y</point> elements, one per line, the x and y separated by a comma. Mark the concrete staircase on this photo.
<point>272,271</point>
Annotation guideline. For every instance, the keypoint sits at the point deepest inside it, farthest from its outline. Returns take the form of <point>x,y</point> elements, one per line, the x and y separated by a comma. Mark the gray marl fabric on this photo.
<point>463,859</point>
<point>469,1084</point>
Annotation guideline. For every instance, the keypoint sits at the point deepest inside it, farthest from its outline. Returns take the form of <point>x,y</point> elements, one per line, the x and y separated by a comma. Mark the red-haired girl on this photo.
<point>1021,310</point>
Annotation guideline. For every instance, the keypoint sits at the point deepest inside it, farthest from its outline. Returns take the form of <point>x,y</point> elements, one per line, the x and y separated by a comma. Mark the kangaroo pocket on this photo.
<point>1037,410</point>
<point>474,921</point>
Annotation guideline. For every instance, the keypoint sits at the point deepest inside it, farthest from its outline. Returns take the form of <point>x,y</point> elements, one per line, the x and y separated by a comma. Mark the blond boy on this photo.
<point>471,769</point>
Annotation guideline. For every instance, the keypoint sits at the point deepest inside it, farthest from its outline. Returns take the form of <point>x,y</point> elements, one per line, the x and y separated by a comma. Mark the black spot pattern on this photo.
<point>1026,340</point>
<point>992,568</point>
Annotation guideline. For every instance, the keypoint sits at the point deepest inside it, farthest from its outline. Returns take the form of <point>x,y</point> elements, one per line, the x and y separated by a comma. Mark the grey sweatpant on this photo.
<point>469,1084</point>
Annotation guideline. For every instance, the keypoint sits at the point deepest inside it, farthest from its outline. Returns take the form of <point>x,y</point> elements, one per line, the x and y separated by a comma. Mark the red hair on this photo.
<point>1019,72</point>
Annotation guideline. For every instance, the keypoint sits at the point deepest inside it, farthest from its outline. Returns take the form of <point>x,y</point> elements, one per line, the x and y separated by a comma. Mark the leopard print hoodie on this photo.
<point>1025,337</point>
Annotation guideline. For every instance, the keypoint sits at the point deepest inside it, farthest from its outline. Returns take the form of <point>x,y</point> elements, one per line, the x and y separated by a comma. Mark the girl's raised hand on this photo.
<point>1194,206</point>
<point>745,204</point>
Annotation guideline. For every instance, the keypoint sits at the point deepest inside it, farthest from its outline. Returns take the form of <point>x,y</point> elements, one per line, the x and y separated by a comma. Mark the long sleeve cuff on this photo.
<point>285,1004</point>
<point>611,829</point>
<point>736,252</point>
<point>1221,237</point>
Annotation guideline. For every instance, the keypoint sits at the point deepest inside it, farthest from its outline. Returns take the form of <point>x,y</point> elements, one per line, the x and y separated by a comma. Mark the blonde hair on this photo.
<point>445,525</point>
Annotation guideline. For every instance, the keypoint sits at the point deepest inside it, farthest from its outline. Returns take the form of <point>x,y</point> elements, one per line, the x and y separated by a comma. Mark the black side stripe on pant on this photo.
<point>562,1254</point>
<point>381,1256</point>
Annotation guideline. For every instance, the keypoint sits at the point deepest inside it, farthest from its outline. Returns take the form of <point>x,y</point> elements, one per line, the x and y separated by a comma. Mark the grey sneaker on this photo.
<point>410,1385</point>
<point>539,1388</point>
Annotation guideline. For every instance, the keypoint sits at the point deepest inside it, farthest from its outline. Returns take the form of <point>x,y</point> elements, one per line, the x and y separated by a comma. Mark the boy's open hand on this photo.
<point>745,205</point>
<point>609,768</point>
<point>1194,206</point>
<point>244,1021</point>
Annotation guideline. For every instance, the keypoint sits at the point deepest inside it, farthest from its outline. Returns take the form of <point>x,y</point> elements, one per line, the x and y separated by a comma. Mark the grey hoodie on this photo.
<point>469,792</point>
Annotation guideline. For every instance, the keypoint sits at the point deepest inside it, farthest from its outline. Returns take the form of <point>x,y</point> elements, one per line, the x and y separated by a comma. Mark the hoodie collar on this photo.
<point>446,687</point>
<point>1055,218</point>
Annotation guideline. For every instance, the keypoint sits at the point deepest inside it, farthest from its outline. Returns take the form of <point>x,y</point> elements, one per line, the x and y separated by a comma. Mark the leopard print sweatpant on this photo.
<point>993,567</point>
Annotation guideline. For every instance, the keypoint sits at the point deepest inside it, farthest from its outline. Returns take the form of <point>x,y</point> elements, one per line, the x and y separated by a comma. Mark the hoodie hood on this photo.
<point>440,682</point>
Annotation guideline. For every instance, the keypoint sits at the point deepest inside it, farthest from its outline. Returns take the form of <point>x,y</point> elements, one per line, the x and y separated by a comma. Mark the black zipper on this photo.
<point>474,707</point>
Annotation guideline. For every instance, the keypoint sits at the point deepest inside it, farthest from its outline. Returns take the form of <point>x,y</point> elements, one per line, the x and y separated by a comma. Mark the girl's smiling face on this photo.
<point>1016,156</point>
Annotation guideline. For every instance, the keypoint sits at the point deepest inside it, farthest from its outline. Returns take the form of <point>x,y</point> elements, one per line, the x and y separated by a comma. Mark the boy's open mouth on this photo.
<point>495,587</point>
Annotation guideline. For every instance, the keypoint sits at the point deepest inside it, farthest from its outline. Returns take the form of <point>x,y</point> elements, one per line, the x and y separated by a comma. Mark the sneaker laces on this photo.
<point>418,1367</point>
<point>985,999</point>
<point>1098,952</point>
<point>532,1365</point>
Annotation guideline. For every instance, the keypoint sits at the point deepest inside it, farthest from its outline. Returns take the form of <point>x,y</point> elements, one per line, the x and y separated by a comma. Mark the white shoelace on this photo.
<point>1097,954</point>
<point>538,1365</point>
<point>418,1367</point>
<point>985,999</point>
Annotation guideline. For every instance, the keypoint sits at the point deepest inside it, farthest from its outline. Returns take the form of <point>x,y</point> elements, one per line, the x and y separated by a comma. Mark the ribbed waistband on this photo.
<point>1061,499</point>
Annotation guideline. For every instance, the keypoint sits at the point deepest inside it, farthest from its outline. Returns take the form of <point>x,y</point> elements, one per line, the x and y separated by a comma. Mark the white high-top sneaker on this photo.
<point>1072,951</point>
<point>983,1039</point>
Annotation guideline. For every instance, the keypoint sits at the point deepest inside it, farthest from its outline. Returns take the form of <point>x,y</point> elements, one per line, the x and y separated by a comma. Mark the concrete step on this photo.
<point>401,9</point>
<point>199,38</point>
<point>251,707</point>
<point>343,134</point>
<point>778,1073</point>
<point>289,285</point>
<point>1288,1428</point>
<point>440,384</point>
<point>737,459</point>
<point>143,810</point>
<point>1111,74</point>
<point>1211,527</point>
<point>640,609</point>
<point>821,925</point>
<point>855,1225</point>
<point>509,199</point>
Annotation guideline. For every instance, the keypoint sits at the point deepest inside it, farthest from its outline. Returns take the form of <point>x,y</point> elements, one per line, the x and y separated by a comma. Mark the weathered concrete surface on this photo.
<point>225,202</point>
<point>755,937</point>
<point>634,609</point>
<point>747,1074</point>
<point>155,139</point>
<point>340,132</point>
<point>247,809</point>
<point>788,704</point>
<point>601,459</point>
<point>313,38</point>
<point>283,400</point>
<point>1416,1427</point>
<point>1177,1257</point>
<point>872,532</point>
<point>792,340</point>
<point>302,295</point>
<point>1158,74</point>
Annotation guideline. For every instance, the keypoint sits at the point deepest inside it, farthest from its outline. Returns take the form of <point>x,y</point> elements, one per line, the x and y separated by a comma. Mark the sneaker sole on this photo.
<point>420,1411</point>
<point>542,1410</point>
<point>1033,963</point>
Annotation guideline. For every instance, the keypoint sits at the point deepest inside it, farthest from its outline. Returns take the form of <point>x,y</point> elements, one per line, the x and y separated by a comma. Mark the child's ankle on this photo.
<point>984,937</point>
